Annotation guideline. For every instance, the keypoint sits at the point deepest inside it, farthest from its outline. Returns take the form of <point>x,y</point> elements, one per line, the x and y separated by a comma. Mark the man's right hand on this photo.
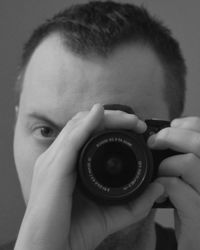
<point>57,216</point>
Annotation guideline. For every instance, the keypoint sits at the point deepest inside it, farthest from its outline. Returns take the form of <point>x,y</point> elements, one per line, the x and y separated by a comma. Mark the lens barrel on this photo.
<point>115,166</point>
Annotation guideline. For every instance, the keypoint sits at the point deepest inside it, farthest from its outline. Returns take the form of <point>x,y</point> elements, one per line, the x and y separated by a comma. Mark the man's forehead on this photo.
<point>56,77</point>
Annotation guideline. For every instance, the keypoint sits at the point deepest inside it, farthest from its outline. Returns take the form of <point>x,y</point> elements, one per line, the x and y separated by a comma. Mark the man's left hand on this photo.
<point>180,176</point>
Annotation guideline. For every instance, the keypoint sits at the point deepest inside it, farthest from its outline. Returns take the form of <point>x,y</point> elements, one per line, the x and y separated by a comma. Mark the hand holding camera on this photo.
<point>116,165</point>
<point>180,175</point>
<point>56,216</point>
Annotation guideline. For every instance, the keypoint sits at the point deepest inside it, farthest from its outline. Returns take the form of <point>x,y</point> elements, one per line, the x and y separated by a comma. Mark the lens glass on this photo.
<point>114,164</point>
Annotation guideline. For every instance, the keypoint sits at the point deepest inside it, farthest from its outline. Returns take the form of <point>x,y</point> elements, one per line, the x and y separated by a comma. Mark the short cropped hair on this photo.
<point>101,26</point>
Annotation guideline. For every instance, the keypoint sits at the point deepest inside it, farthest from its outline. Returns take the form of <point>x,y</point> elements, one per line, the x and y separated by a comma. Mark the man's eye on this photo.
<point>45,132</point>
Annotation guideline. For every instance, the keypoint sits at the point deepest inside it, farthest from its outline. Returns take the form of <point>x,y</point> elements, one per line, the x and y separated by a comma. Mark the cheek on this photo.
<point>25,155</point>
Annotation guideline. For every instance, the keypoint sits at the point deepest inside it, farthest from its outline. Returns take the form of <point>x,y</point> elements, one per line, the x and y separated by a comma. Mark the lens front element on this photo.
<point>114,164</point>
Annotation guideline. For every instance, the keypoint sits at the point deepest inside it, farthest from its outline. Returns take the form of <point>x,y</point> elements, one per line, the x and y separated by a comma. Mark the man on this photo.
<point>87,56</point>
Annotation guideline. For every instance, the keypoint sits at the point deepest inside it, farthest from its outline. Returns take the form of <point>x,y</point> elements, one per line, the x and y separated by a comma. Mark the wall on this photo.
<point>17,20</point>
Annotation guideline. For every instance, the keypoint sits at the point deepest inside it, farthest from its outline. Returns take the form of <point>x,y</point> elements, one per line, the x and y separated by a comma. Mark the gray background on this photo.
<point>17,20</point>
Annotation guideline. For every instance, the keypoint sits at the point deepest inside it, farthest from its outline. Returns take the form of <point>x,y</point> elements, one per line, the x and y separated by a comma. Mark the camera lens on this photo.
<point>114,165</point>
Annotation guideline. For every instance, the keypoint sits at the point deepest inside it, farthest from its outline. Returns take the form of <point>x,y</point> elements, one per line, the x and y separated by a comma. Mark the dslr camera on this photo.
<point>115,165</point>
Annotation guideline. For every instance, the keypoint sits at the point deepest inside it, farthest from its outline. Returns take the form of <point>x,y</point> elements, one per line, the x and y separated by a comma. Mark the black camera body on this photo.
<point>116,166</point>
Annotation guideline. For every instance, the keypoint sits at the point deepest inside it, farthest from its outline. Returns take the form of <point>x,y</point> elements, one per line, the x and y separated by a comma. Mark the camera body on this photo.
<point>116,166</point>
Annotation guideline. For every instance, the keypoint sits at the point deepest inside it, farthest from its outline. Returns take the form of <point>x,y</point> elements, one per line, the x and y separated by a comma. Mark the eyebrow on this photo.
<point>38,116</point>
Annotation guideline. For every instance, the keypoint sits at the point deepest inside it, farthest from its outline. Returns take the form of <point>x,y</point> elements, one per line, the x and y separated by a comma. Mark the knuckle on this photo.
<point>77,116</point>
<point>173,182</point>
<point>134,118</point>
<point>81,114</point>
<point>69,126</point>
<point>70,122</point>
<point>191,158</point>
<point>163,134</point>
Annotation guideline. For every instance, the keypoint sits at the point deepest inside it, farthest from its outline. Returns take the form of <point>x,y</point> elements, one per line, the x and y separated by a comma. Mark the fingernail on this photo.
<point>142,125</point>
<point>95,106</point>
<point>175,123</point>
<point>151,140</point>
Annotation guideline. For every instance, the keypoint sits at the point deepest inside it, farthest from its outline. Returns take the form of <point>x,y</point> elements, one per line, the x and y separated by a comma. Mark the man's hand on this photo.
<point>182,177</point>
<point>57,216</point>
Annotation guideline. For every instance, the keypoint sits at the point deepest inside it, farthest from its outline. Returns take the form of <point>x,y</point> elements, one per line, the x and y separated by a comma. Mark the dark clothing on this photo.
<point>165,240</point>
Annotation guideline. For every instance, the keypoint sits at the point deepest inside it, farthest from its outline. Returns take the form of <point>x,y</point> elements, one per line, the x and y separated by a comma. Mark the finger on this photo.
<point>81,126</point>
<point>184,197</point>
<point>73,136</point>
<point>181,140</point>
<point>62,154</point>
<point>108,119</point>
<point>118,217</point>
<point>117,119</point>
<point>96,121</point>
<point>191,123</point>
<point>186,166</point>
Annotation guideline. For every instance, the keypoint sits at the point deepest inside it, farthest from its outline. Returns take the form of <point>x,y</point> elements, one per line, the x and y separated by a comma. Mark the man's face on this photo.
<point>58,84</point>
